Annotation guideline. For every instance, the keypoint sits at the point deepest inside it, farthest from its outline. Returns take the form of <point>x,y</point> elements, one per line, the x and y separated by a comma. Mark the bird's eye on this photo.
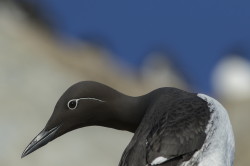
<point>72,104</point>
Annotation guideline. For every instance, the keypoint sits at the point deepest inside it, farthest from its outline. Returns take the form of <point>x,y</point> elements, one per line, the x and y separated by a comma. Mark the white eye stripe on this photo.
<point>71,105</point>
<point>89,98</point>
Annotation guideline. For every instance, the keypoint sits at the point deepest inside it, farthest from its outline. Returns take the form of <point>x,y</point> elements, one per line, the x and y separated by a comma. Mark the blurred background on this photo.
<point>134,47</point>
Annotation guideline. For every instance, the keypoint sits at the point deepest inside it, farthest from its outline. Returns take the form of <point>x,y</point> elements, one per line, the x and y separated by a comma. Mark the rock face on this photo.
<point>35,70</point>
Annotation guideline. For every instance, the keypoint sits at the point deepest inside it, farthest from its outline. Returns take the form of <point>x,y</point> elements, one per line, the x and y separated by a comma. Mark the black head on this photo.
<point>83,104</point>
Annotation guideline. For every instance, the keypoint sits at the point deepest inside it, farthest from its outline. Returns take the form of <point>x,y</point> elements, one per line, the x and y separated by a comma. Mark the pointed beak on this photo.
<point>40,140</point>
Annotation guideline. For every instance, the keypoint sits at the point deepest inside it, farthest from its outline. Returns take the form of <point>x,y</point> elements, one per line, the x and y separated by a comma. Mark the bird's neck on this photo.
<point>124,113</point>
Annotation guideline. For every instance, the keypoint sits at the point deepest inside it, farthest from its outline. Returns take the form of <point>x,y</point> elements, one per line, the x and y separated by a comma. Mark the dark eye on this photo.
<point>72,104</point>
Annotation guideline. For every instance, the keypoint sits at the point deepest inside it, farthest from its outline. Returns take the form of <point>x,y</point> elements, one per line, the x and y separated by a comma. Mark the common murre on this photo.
<point>172,127</point>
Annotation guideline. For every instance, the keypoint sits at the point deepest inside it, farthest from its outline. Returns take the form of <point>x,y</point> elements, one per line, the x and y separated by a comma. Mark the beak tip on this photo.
<point>24,154</point>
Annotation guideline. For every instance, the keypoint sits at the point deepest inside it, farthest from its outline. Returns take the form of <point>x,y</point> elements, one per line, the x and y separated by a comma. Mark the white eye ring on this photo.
<point>72,104</point>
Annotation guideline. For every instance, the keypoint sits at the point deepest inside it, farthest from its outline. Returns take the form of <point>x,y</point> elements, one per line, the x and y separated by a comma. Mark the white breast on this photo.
<point>219,146</point>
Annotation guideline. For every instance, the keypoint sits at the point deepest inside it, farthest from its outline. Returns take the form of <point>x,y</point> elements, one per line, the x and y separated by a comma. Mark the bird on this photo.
<point>171,127</point>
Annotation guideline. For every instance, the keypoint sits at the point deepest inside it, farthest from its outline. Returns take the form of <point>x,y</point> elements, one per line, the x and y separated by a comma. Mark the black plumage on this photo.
<point>173,127</point>
<point>166,122</point>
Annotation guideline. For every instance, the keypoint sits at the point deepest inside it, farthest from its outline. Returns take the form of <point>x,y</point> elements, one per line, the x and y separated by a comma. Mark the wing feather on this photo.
<point>178,130</point>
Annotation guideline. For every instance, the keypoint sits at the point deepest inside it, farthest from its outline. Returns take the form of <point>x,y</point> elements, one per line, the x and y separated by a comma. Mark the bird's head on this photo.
<point>83,104</point>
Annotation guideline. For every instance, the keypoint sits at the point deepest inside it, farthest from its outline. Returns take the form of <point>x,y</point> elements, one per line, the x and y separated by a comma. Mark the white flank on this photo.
<point>159,160</point>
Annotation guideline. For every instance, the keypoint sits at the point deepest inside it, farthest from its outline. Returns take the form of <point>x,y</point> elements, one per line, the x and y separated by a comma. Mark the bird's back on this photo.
<point>172,129</point>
